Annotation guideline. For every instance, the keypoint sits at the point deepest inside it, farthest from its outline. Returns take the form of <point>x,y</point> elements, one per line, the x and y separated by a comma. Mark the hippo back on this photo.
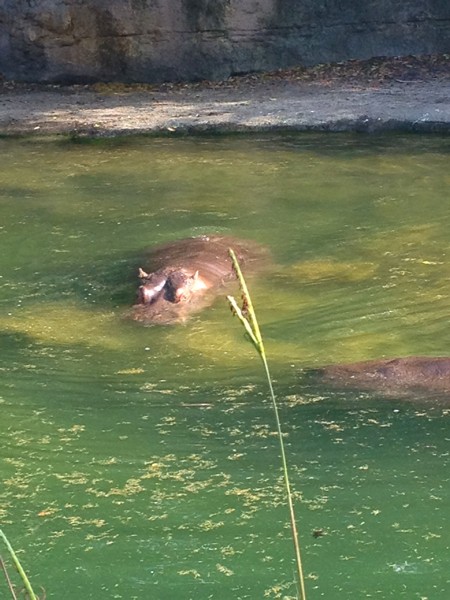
<point>391,376</point>
<point>206,254</point>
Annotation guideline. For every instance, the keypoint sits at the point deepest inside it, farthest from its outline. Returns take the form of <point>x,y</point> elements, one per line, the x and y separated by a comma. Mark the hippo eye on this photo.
<point>159,287</point>
<point>148,293</point>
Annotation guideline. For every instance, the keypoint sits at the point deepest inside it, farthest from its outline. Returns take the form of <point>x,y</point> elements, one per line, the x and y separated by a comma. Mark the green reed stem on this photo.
<point>8,580</point>
<point>247,316</point>
<point>26,583</point>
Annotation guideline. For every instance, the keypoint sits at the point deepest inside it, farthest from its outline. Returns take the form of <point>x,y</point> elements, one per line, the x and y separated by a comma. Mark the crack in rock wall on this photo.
<point>71,41</point>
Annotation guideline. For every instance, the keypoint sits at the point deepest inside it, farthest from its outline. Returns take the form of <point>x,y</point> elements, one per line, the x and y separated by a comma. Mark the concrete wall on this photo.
<point>172,40</point>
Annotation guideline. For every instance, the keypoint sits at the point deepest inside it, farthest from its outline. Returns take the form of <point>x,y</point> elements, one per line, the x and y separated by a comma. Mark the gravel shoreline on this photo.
<point>289,101</point>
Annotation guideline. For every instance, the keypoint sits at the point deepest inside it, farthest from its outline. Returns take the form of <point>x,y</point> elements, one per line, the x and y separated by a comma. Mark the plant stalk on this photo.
<point>8,580</point>
<point>247,316</point>
<point>23,576</point>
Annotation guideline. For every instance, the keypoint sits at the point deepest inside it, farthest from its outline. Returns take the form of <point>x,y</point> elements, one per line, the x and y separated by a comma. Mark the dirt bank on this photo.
<point>406,94</point>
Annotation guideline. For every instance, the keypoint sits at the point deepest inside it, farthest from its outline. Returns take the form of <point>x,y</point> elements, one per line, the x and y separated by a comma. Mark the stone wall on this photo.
<point>173,40</point>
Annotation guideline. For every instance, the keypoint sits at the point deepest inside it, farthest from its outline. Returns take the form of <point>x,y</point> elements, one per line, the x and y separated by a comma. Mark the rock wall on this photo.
<point>172,40</point>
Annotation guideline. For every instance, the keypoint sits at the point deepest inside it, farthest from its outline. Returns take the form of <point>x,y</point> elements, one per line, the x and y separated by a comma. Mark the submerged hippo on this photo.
<point>183,277</point>
<point>395,376</point>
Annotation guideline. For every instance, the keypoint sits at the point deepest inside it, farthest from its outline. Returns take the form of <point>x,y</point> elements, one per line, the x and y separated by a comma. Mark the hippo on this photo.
<point>409,375</point>
<point>172,285</point>
<point>184,277</point>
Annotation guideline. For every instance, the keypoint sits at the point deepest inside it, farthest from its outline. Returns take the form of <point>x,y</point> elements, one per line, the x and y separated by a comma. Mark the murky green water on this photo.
<point>141,462</point>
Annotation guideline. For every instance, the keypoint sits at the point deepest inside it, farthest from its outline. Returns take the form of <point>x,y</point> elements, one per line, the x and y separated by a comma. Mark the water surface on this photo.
<point>142,462</point>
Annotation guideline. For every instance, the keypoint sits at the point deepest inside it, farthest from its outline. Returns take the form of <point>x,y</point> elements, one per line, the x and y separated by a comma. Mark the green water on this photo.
<point>141,462</point>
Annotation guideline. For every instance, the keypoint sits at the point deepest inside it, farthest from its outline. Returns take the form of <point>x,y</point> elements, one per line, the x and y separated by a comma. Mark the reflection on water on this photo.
<point>140,462</point>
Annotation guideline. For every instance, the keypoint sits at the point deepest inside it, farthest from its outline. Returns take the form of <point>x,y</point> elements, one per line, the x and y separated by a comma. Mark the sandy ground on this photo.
<point>281,101</point>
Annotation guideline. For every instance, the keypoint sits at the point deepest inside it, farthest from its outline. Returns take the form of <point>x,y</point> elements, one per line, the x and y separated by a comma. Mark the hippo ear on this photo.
<point>142,274</point>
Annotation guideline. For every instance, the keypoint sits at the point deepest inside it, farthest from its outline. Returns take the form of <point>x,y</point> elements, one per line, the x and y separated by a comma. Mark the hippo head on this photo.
<point>173,286</point>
